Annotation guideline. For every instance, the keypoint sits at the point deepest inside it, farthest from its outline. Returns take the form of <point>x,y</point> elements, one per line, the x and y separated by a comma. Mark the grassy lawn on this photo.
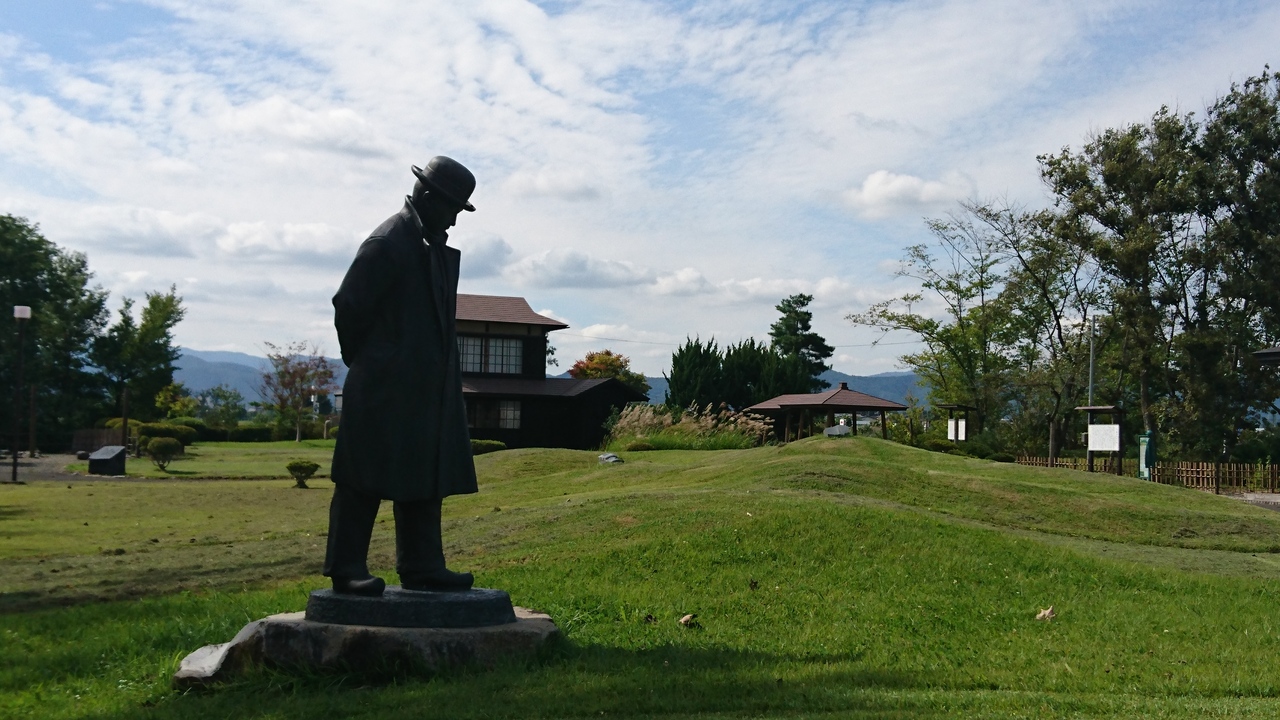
<point>831,578</point>
<point>225,460</point>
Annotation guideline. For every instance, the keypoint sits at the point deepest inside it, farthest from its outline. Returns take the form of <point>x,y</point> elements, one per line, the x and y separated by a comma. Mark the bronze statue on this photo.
<point>403,435</point>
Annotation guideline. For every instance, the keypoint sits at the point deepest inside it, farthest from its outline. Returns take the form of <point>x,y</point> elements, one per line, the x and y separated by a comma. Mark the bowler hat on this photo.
<point>448,178</point>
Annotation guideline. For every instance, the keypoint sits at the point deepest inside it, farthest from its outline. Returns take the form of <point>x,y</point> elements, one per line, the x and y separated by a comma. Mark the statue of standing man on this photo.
<point>404,431</point>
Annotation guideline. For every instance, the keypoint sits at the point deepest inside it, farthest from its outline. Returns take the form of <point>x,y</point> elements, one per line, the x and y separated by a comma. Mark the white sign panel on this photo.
<point>1104,438</point>
<point>955,430</point>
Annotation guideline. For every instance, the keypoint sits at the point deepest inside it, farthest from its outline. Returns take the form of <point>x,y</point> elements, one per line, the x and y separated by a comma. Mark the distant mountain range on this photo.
<point>202,369</point>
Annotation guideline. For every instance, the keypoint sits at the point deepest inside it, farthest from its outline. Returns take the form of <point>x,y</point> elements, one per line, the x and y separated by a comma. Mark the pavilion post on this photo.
<point>884,426</point>
<point>831,419</point>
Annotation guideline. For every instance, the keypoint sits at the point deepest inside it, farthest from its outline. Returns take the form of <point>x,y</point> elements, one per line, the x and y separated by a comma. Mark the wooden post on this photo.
<point>1217,478</point>
<point>831,419</point>
<point>31,419</point>
<point>124,417</point>
<point>1088,454</point>
<point>884,427</point>
<point>1120,445</point>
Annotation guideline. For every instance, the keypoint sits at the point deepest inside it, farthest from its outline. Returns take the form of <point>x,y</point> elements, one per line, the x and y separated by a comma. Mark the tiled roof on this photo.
<point>545,387</point>
<point>497,308</point>
<point>840,399</point>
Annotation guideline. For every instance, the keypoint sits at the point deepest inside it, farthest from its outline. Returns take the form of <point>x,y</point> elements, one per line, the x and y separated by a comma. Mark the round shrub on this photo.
<point>480,447</point>
<point>302,470</point>
<point>163,450</point>
<point>639,445</point>
<point>1002,457</point>
<point>938,445</point>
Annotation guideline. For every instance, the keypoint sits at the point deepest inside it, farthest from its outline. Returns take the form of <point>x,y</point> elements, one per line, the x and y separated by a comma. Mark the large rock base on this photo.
<point>290,640</point>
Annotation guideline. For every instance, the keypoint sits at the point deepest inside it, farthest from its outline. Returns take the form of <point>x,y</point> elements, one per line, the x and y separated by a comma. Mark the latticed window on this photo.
<point>506,355</point>
<point>509,414</point>
<point>487,413</point>
<point>471,352</point>
<point>491,355</point>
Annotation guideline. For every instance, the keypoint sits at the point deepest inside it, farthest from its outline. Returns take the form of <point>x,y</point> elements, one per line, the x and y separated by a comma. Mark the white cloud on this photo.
<point>571,268</point>
<point>571,185</point>
<point>483,256</point>
<point>884,193</point>
<point>287,241</point>
<point>722,151</point>
<point>683,282</point>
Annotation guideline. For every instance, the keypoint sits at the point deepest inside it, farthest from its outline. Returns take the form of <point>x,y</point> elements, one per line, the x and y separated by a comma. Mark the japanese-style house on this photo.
<point>502,344</point>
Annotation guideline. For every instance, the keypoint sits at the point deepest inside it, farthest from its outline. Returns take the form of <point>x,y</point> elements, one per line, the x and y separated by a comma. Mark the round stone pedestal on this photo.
<point>363,632</point>
<point>397,607</point>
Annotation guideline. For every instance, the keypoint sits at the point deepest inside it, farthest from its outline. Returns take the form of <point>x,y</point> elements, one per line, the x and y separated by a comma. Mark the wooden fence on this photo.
<point>1213,477</point>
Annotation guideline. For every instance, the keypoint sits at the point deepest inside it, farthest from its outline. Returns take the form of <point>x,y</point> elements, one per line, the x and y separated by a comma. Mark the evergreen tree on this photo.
<point>793,335</point>
<point>696,375</point>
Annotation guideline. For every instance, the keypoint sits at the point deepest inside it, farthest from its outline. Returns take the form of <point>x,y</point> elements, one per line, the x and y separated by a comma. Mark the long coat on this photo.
<point>403,433</point>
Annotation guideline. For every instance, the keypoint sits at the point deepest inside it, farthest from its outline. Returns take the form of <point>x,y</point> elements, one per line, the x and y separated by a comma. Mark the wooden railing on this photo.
<point>1212,477</point>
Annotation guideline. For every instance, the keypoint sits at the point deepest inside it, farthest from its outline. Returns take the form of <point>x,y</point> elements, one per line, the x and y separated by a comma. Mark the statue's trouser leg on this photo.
<point>419,548</point>
<point>351,518</point>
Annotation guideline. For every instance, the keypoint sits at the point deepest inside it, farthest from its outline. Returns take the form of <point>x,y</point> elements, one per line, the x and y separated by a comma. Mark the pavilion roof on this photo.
<point>840,399</point>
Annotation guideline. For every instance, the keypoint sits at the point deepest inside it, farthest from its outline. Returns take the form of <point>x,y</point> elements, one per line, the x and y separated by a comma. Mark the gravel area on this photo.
<point>44,467</point>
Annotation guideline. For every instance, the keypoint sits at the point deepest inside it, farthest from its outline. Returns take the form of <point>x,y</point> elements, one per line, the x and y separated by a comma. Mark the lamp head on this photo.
<point>22,312</point>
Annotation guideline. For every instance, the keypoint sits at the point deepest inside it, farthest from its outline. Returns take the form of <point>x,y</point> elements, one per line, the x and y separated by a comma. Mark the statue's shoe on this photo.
<point>441,580</point>
<point>368,586</point>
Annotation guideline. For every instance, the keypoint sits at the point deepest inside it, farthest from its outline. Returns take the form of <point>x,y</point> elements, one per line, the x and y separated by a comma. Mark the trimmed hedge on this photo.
<point>250,433</point>
<point>204,433</point>
<point>181,433</point>
<point>480,447</point>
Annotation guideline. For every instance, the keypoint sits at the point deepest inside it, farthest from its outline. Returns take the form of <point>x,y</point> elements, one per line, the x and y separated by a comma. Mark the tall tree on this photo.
<point>608,364</point>
<point>1050,296</point>
<point>67,314</point>
<point>298,372</point>
<point>753,372</point>
<point>140,355</point>
<point>696,376</point>
<point>967,356</point>
<point>793,335</point>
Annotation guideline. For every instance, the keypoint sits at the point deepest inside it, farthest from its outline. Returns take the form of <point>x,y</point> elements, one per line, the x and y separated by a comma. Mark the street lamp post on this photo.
<point>21,314</point>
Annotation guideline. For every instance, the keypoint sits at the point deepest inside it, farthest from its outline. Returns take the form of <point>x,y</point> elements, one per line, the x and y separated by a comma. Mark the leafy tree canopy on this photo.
<point>608,364</point>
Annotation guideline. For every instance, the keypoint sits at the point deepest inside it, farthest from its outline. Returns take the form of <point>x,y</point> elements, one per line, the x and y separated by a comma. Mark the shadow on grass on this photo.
<point>568,681</point>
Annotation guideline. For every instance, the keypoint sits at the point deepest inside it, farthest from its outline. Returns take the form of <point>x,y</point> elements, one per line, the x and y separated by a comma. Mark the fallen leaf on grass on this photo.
<point>1046,614</point>
<point>690,621</point>
<point>650,619</point>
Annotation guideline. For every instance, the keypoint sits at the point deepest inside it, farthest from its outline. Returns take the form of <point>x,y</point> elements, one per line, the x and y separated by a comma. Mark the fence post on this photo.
<point>1217,477</point>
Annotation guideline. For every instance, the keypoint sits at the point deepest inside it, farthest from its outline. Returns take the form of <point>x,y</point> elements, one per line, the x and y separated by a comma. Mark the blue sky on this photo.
<point>646,171</point>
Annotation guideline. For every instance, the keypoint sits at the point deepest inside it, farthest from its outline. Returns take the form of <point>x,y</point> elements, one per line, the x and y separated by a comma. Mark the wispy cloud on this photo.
<point>721,152</point>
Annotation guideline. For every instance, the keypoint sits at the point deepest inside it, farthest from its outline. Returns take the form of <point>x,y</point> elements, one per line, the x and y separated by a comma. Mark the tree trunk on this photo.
<point>1055,435</point>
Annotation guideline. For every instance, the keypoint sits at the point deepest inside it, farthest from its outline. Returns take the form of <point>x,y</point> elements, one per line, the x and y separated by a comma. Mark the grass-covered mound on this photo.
<point>850,578</point>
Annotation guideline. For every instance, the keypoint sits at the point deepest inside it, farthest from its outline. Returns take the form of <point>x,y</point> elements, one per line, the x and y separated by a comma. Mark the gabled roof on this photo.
<point>840,399</point>
<point>498,308</point>
<point>541,387</point>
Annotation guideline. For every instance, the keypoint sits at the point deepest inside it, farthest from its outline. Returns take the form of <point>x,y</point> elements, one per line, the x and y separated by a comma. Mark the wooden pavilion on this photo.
<point>804,407</point>
<point>1270,356</point>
